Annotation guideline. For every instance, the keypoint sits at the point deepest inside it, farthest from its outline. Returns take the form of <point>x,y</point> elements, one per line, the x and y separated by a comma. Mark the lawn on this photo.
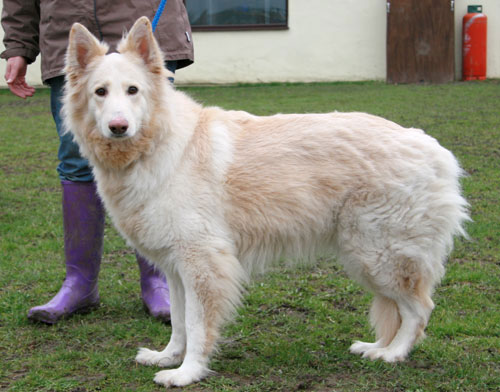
<point>295,328</point>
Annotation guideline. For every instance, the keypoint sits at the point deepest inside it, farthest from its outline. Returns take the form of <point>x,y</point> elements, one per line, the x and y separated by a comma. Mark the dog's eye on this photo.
<point>132,90</point>
<point>101,91</point>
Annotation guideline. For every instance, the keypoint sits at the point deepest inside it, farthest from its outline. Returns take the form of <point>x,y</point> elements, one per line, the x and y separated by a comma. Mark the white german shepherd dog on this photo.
<point>210,196</point>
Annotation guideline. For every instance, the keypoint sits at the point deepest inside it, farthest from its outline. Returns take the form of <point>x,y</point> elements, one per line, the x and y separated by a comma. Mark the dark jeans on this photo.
<point>72,166</point>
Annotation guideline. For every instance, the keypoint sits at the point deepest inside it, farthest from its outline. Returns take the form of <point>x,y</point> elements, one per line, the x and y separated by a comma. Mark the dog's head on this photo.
<point>109,98</point>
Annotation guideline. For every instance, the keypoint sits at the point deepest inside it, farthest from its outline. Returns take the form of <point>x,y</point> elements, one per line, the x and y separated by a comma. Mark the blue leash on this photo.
<point>161,7</point>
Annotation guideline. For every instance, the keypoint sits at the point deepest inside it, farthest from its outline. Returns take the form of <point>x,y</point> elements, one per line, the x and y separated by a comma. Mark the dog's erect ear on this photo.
<point>83,47</point>
<point>140,40</point>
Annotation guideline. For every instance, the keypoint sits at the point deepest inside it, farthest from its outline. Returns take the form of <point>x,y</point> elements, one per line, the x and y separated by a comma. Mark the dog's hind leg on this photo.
<point>397,252</point>
<point>399,320</point>
<point>212,281</point>
<point>173,354</point>
<point>385,319</point>
<point>414,316</point>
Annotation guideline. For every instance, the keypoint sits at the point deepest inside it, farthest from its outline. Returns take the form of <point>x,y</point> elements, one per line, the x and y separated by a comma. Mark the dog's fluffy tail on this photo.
<point>385,319</point>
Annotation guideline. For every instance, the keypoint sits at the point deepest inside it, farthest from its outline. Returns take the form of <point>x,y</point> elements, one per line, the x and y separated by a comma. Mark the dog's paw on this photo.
<point>159,358</point>
<point>148,357</point>
<point>386,354</point>
<point>361,347</point>
<point>169,361</point>
<point>181,377</point>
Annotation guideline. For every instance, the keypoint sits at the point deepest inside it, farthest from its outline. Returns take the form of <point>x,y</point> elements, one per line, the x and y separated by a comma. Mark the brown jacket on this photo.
<point>42,26</point>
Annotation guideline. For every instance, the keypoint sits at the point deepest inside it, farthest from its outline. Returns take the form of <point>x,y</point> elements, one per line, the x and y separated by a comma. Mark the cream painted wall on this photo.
<point>327,40</point>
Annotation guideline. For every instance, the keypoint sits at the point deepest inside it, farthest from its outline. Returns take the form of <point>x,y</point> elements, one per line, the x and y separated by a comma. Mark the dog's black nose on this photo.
<point>118,126</point>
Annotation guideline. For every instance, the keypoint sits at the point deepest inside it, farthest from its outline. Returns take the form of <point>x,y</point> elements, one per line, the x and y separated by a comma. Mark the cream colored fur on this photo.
<point>210,196</point>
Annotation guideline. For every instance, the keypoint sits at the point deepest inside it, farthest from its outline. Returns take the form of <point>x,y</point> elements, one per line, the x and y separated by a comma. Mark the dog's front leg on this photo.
<point>173,354</point>
<point>212,287</point>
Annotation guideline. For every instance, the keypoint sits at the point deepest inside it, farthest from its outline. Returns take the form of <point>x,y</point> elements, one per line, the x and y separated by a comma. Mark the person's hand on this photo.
<point>15,77</point>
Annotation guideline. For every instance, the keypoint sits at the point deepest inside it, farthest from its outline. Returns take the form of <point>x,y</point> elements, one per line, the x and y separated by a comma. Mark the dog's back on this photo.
<point>295,177</point>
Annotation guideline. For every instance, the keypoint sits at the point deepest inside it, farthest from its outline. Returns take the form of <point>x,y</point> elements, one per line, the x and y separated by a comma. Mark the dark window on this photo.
<point>237,14</point>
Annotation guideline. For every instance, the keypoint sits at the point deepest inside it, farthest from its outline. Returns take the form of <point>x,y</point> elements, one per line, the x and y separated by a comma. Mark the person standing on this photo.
<point>42,27</point>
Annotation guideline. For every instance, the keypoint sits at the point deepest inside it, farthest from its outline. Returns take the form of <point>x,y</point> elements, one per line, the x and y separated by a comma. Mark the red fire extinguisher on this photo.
<point>474,44</point>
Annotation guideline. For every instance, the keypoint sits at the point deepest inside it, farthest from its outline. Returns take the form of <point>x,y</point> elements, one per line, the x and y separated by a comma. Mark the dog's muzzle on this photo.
<point>118,127</point>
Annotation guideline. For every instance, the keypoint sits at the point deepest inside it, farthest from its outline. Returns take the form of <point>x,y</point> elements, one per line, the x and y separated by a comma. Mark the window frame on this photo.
<point>243,27</point>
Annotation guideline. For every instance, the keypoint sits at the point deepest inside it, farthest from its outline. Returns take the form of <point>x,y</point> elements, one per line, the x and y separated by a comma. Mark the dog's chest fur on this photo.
<point>173,194</point>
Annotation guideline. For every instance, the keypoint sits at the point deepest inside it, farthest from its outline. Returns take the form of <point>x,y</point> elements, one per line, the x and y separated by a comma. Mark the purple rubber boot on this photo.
<point>154,289</point>
<point>83,217</point>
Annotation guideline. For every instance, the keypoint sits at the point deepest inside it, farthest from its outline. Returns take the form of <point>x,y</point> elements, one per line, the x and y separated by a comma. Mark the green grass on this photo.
<point>295,327</point>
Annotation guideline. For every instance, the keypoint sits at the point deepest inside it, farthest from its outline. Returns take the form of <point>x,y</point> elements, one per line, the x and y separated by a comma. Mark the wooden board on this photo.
<point>420,41</point>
